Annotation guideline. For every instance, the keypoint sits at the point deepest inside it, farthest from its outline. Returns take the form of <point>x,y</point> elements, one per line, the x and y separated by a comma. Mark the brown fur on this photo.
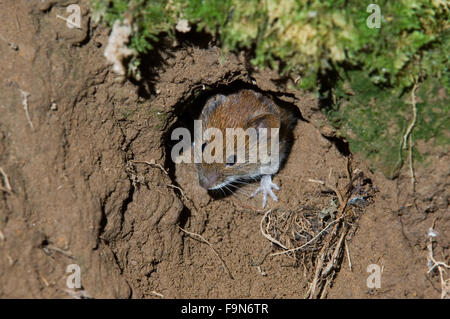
<point>243,109</point>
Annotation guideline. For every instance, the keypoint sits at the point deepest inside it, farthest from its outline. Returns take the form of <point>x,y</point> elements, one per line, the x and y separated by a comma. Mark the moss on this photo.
<point>308,36</point>
<point>375,120</point>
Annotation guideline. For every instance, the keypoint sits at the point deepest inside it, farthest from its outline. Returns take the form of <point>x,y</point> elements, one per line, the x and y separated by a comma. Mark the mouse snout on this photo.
<point>208,180</point>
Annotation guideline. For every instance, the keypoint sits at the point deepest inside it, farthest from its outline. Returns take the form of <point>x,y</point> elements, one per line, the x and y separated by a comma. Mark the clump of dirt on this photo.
<point>87,179</point>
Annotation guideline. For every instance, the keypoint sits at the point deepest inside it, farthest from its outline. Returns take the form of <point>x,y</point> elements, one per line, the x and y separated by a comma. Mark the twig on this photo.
<point>25,96</point>
<point>212,248</point>
<point>44,280</point>
<point>260,271</point>
<point>312,288</point>
<point>316,181</point>
<point>7,187</point>
<point>151,163</point>
<point>324,293</point>
<point>413,122</point>
<point>406,136</point>
<point>58,250</point>
<point>179,188</point>
<point>333,261</point>
<point>18,24</point>
<point>411,168</point>
<point>326,184</point>
<point>270,238</point>
<point>308,242</point>
<point>445,283</point>
<point>347,250</point>
<point>157,294</point>
<point>4,190</point>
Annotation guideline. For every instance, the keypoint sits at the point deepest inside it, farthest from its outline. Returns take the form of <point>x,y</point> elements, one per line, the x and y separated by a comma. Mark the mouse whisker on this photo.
<point>224,194</point>
<point>239,190</point>
<point>235,192</point>
<point>239,194</point>
<point>228,189</point>
<point>243,182</point>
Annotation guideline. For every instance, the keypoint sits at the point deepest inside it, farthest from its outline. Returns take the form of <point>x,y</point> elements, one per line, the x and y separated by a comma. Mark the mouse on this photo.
<point>244,109</point>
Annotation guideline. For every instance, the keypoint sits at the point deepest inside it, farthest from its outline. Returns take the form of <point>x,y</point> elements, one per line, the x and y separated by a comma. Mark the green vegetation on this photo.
<point>364,75</point>
<point>374,120</point>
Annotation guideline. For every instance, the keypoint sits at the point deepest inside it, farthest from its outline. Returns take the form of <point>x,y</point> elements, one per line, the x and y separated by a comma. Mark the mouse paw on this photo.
<point>266,187</point>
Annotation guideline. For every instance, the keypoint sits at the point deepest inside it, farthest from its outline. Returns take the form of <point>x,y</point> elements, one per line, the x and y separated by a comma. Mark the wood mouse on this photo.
<point>244,109</point>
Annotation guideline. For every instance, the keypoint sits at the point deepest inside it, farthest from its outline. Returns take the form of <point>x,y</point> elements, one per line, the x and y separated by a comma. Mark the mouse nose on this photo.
<point>207,181</point>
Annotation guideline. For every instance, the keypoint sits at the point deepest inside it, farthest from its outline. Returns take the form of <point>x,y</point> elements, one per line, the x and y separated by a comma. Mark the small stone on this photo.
<point>183,26</point>
<point>328,131</point>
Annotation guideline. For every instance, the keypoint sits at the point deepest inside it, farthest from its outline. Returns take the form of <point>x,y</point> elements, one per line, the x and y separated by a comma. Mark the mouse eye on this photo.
<point>203,147</point>
<point>231,160</point>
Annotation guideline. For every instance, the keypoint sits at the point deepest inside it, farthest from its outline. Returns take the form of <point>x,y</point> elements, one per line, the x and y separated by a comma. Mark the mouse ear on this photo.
<point>265,120</point>
<point>212,104</point>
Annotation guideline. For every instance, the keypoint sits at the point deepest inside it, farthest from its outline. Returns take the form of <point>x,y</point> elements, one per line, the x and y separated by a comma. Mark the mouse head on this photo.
<point>234,129</point>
